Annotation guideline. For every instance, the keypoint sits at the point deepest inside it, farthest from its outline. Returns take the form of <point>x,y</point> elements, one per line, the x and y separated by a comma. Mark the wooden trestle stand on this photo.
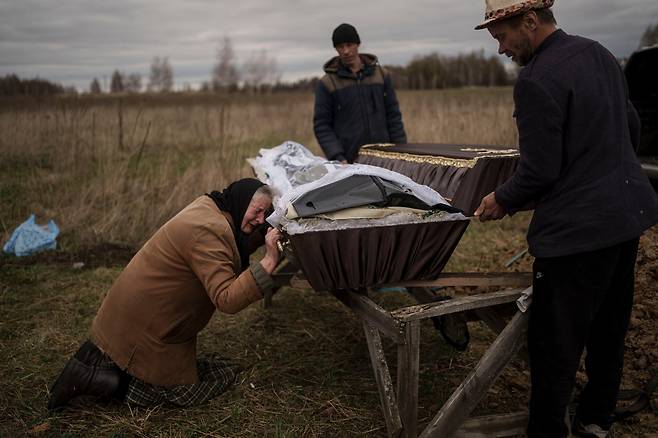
<point>399,402</point>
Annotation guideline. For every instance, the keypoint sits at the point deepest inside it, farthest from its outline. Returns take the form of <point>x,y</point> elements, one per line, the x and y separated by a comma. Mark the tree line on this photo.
<point>435,71</point>
<point>12,85</point>
<point>260,73</point>
<point>423,72</point>
<point>161,79</point>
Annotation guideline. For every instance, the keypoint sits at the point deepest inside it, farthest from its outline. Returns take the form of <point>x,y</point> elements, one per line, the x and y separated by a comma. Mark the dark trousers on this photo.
<point>581,301</point>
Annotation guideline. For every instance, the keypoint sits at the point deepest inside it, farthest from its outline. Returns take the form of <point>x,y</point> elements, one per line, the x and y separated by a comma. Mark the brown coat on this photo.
<point>149,320</point>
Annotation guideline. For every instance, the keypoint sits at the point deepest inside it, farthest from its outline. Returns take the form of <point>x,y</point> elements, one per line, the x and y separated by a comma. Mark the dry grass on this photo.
<point>460,116</point>
<point>72,161</point>
<point>307,368</point>
<point>308,373</point>
<point>110,170</point>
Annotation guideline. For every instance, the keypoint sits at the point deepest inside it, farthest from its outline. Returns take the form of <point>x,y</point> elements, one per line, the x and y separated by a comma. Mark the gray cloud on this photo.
<point>72,41</point>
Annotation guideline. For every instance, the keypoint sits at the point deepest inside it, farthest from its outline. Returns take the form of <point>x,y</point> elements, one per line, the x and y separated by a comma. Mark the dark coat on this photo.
<point>353,110</point>
<point>578,165</point>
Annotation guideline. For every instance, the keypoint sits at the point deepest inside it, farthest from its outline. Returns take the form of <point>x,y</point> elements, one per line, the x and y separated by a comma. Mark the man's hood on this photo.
<point>334,64</point>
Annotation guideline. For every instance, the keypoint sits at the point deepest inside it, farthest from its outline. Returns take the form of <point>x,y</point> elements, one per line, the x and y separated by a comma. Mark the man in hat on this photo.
<point>578,169</point>
<point>355,103</point>
<point>143,339</point>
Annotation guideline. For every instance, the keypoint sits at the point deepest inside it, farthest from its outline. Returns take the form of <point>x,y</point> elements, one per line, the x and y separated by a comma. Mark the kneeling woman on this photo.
<point>143,339</point>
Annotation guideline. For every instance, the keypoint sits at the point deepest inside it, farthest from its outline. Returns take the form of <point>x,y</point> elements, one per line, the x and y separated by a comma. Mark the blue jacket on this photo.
<point>578,166</point>
<point>355,109</point>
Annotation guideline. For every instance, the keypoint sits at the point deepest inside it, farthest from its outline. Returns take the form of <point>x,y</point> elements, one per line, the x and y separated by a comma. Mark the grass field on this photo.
<point>111,172</point>
<point>115,170</point>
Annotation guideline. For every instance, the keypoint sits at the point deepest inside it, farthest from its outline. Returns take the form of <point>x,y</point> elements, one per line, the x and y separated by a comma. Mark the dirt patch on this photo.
<point>104,254</point>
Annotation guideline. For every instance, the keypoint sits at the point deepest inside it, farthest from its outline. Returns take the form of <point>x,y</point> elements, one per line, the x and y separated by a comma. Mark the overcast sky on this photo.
<point>73,41</point>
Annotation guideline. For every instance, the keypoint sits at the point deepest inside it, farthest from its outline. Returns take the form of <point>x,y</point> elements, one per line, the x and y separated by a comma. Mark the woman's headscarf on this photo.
<point>235,200</point>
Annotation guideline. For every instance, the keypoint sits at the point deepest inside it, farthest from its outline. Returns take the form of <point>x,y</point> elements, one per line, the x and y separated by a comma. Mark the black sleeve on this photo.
<point>539,120</point>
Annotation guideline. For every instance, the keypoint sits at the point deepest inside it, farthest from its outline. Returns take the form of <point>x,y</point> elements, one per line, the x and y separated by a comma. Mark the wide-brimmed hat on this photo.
<point>497,10</point>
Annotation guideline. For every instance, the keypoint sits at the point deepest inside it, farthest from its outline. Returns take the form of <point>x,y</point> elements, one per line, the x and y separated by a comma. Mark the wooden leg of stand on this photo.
<point>383,378</point>
<point>408,357</point>
<point>462,402</point>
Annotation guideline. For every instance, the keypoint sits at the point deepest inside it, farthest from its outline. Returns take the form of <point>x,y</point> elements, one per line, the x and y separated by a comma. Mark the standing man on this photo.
<point>578,169</point>
<point>355,103</point>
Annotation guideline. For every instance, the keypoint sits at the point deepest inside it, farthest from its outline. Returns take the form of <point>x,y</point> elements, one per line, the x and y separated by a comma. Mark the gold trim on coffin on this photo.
<point>438,161</point>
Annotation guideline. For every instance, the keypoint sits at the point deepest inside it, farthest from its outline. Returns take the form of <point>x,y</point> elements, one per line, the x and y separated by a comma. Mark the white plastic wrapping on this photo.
<point>292,171</point>
<point>285,166</point>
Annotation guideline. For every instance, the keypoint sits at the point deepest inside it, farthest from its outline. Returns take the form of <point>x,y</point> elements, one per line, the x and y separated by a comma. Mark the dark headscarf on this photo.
<point>234,200</point>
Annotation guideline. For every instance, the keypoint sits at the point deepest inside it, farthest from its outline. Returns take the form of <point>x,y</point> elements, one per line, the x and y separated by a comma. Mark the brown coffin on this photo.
<point>365,257</point>
<point>462,173</point>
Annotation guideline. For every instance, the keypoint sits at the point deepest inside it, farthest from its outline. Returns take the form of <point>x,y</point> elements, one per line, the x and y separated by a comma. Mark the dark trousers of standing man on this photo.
<point>581,301</point>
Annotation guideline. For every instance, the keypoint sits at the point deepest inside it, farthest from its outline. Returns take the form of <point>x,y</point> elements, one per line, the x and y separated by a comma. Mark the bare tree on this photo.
<point>155,78</point>
<point>161,78</point>
<point>95,87</point>
<point>116,83</point>
<point>225,74</point>
<point>650,36</point>
<point>260,70</point>
<point>167,76</point>
<point>133,83</point>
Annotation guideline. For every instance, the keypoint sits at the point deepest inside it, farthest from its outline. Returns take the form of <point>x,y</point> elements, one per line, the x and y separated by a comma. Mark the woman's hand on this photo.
<point>272,254</point>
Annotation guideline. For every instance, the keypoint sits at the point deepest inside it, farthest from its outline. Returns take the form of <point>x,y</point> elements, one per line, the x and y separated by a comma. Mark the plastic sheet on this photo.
<point>30,238</point>
<point>288,165</point>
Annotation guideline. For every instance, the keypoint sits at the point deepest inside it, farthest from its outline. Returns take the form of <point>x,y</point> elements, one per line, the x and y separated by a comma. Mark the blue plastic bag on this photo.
<point>29,238</point>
